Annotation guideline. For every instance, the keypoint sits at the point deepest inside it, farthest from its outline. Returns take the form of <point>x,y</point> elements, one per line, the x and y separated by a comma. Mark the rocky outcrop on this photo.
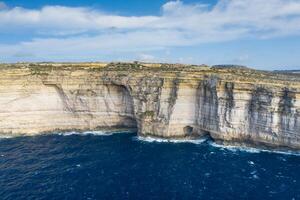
<point>238,105</point>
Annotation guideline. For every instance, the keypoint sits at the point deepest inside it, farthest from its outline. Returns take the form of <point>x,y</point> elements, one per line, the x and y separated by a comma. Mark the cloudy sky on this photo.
<point>263,34</point>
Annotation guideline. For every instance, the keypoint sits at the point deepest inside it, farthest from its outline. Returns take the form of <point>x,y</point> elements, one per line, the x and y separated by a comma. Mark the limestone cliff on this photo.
<point>232,104</point>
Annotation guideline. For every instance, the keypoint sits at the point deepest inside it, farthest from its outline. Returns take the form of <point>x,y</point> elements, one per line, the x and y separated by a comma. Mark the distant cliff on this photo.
<point>229,104</point>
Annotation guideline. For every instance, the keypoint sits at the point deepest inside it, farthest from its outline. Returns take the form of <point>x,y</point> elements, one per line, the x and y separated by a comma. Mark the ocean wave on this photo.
<point>6,136</point>
<point>163,140</point>
<point>252,149</point>
<point>282,152</point>
<point>231,148</point>
<point>236,148</point>
<point>95,133</point>
<point>99,133</point>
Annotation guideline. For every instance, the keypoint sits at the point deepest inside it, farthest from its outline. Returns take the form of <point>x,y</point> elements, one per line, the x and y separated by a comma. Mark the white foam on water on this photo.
<point>251,162</point>
<point>163,140</point>
<point>6,136</point>
<point>96,133</point>
<point>251,149</point>
<point>294,153</point>
<point>255,176</point>
<point>68,133</point>
<point>235,148</point>
<point>225,147</point>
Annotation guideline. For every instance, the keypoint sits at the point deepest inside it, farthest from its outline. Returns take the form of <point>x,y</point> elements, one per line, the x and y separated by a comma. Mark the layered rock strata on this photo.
<point>172,101</point>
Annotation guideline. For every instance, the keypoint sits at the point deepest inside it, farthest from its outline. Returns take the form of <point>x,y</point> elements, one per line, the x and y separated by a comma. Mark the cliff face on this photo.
<point>173,101</point>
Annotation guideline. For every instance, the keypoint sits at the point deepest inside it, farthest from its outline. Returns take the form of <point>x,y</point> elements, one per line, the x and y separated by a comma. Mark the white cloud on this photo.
<point>79,31</point>
<point>69,18</point>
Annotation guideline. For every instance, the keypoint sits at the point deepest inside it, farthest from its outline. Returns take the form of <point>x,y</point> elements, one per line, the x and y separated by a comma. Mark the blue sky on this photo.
<point>256,33</point>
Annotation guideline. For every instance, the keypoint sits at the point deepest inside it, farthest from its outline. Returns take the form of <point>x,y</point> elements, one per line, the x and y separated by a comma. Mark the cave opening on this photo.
<point>188,130</point>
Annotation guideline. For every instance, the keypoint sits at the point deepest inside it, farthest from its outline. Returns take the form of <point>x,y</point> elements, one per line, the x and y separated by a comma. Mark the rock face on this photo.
<point>236,105</point>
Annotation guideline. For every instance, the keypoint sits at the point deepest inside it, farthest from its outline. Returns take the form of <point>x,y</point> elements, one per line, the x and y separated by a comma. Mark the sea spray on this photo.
<point>95,133</point>
<point>251,149</point>
<point>164,140</point>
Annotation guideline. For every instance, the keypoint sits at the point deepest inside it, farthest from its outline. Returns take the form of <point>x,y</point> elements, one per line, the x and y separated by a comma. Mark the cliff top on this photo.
<point>135,67</point>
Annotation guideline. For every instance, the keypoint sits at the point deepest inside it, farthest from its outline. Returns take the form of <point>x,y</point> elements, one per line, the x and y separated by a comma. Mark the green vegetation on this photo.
<point>148,113</point>
<point>40,70</point>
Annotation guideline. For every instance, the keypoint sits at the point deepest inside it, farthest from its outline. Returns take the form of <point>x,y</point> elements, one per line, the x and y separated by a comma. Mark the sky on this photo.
<point>262,34</point>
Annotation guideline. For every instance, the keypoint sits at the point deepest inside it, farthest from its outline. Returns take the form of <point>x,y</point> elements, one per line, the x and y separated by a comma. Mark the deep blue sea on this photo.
<point>123,166</point>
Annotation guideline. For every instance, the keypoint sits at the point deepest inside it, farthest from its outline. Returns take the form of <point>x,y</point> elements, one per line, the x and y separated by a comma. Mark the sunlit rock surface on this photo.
<point>231,104</point>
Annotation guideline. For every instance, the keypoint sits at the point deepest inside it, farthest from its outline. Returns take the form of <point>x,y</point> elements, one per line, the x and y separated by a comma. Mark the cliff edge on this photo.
<point>230,104</point>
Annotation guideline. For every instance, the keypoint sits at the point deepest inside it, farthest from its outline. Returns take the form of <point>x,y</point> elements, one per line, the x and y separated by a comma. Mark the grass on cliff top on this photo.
<point>138,66</point>
<point>242,72</point>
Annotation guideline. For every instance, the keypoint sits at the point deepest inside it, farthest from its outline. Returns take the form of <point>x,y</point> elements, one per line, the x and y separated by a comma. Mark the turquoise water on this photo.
<point>123,166</point>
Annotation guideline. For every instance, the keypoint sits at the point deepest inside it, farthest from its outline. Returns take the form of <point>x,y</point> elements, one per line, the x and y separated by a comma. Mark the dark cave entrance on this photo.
<point>188,130</point>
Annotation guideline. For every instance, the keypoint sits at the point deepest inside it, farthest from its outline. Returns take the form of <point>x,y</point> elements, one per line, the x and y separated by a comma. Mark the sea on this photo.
<point>122,165</point>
